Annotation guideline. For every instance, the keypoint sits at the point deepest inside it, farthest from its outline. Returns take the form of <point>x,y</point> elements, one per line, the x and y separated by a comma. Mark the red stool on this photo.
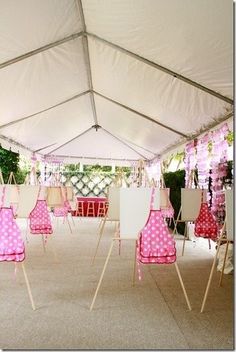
<point>101,209</point>
<point>80,208</point>
<point>91,208</point>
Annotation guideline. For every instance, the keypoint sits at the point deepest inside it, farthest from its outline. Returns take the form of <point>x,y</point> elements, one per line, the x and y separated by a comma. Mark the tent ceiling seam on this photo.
<point>87,59</point>
<point>41,49</point>
<point>127,145</point>
<point>139,146</point>
<point>141,114</point>
<point>11,141</point>
<point>92,158</point>
<point>162,68</point>
<point>69,141</point>
<point>45,110</point>
<point>85,34</point>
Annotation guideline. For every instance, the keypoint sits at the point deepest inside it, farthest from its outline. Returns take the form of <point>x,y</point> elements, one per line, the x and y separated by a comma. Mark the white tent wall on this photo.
<point>155,74</point>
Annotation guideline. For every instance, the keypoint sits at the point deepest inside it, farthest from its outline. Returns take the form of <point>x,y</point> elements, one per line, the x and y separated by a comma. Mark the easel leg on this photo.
<point>185,230</point>
<point>101,277</point>
<point>72,219</point>
<point>68,223</point>
<point>182,285</point>
<point>209,242</point>
<point>210,278</point>
<point>26,231</point>
<point>28,286</point>
<point>99,239</point>
<point>223,268</point>
<point>135,260</point>
<point>44,247</point>
<point>176,222</point>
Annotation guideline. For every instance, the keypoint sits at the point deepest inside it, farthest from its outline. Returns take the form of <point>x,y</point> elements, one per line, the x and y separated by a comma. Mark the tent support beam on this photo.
<point>139,146</point>
<point>11,141</point>
<point>127,145</point>
<point>47,146</point>
<point>71,140</point>
<point>41,49</point>
<point>87,60</point>
<point>162,68</point>
<point>226,117</point>
<point>40,112</point>
<point>142,115</point>
<point>95,158</point>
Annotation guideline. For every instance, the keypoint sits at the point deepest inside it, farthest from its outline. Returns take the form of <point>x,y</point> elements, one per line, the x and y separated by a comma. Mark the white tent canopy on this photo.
<point>113,80</point>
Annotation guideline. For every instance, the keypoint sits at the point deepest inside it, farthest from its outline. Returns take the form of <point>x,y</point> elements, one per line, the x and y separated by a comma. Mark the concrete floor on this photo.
<point>151,315</point>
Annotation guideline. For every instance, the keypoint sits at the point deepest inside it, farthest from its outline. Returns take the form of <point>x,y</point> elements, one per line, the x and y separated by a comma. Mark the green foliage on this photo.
<point>97,168</point>
<point>125,169</point>
<point>230,138</point>
<point>71,167</point>
<point>175,181</point>
<point>8,162</point>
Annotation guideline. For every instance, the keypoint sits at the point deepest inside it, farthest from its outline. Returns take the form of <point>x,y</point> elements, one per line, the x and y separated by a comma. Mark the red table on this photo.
<point>96,201</point>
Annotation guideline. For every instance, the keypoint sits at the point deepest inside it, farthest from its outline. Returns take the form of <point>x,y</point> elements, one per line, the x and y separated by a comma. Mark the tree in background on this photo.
<point>9,162</point>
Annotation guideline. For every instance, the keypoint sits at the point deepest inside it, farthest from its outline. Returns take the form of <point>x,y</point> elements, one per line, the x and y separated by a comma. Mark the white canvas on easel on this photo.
<point>113,212</point>
<point>28,196</point>
<point>191,203</point>
<point>164,198</point>
<point>134,210</point>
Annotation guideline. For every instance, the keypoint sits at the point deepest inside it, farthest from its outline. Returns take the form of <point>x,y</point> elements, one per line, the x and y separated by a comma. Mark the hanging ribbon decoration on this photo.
<point>189,162</point>
<point>219,170</point>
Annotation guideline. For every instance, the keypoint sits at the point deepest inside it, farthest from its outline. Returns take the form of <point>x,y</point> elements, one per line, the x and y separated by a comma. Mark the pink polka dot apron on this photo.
<point>11,244</point>
<point>40,222</point>
<point>65,209</point>
<point>155,244</point>
<point>205,224</point>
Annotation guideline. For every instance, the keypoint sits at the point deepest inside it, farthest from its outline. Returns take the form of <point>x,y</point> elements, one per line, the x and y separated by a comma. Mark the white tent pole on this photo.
<point>140,114</point>
<point>40,112</point>
<point>127,145</point>
<point>162,68</point>
<point>94,158</point>
<point>71,140</point>
<point>87,60</point>
<point>42,48</point>
<point>139,146</point>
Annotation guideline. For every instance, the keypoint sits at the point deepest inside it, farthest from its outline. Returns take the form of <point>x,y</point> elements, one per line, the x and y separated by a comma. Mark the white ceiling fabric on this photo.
<point>29,24</point>
<point>66,65</point>
<point>193,38</point>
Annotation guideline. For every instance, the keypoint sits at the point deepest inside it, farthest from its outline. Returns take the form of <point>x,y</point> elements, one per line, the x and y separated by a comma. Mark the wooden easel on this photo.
<point>229,226</point>
<point>131,223</point>
<point>191,180</point>
<point>106,263</point>
<point>102,226</point>
<point>1,178</point>
<point>220,240</point>
<point>11,178</point>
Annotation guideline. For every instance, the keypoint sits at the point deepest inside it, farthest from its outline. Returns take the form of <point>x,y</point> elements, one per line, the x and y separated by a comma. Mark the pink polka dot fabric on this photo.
<point>11,244</point>
<point>205,224</point>
<point>40,222</point>
<point>62,211</point>
<point>155,244</point>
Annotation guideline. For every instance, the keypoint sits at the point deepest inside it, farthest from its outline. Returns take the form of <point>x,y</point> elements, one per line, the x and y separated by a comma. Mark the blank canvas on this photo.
<point>191,203</point>
<point>113,212</point>
<point>134,210</point>
<point>28,196</point>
